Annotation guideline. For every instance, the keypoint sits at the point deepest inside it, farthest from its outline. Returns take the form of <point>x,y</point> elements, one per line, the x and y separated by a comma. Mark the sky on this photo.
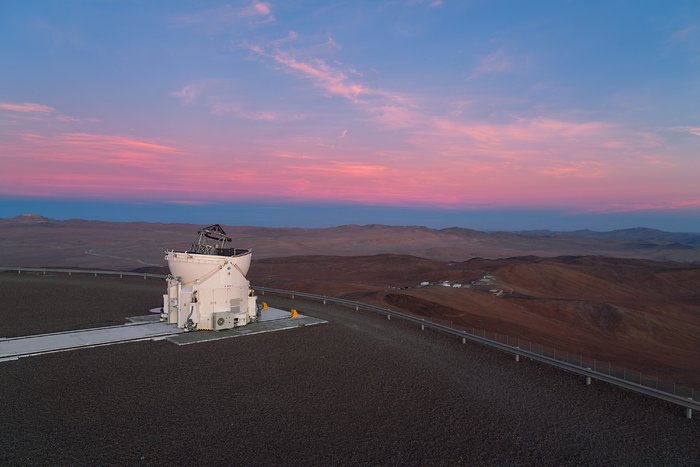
<point>484,114</point>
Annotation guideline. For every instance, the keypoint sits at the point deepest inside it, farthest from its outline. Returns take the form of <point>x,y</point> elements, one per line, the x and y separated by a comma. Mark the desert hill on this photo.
<point>641,314</point>
<point>31,240</point>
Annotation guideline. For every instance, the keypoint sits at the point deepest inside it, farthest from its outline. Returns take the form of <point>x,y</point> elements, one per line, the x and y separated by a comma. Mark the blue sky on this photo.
<point>513,114</point>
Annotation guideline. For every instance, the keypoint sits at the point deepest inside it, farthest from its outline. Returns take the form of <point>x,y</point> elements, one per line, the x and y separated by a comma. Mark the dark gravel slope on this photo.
<point>33,303</point>
<point>358,390</point>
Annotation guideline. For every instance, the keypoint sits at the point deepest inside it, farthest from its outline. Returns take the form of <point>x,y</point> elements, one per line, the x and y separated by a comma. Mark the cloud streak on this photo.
<point>695,131</point>
<point>192,92</point>
<point>32,111</point>
<point>26,107</point>
<point>332,80</point>
<point>390,109</point>
<point>222,108</point>
<point>221,17</point>
<point>111,142</point>
<point>341,168</point>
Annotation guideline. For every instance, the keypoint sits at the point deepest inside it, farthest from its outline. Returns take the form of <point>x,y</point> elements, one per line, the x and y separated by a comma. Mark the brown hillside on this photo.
<point>641,314</point>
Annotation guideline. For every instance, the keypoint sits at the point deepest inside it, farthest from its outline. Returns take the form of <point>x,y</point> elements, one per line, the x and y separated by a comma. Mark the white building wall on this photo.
<point>206,284</point>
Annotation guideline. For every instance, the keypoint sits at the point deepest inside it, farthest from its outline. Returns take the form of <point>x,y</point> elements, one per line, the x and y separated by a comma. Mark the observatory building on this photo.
<point>207,285</point>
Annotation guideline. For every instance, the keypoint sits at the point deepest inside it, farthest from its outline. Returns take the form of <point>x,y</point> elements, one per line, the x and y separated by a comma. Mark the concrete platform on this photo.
<point>269,325</point>
<point>145,319</point>
<point>139,328</point>
<point>271,314</point>
<point>27,346</point>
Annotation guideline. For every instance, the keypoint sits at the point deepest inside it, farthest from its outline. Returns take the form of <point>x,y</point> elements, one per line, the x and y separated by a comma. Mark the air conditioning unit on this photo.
<point>223,320</point>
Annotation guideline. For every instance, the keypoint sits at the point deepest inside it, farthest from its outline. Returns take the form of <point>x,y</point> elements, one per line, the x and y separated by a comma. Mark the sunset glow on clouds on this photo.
<point>446,105</point>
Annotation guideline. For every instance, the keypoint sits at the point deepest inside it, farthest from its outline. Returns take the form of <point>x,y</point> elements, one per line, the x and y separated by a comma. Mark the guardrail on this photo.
<point>591,372</point>
<point>94,272</point>
<point>590,369</point>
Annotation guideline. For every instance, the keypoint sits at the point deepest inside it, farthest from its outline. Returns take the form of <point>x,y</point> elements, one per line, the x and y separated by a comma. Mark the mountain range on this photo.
<point>31,240</point>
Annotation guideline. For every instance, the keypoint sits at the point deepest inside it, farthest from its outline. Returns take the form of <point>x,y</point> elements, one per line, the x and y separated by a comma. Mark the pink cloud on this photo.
<point>126,167</point>
<point>516,134</point>
<point>317,167</point>
<point>390,109</point>
<point>114,150</point>
<point>143,160</point>
<point>81,164</point>
<point>297,156</point>
<point>291,37</point>
<point>396,116</point>
<point>220,17</point>
<point>112,142</point>
<point>693,131</point>
<point>614,144</point>
<point>32,136</point>
<point>257,8</point>
<point>221,108</point>
<point>188,93</point>
<point>585,169</point>
<point>29,111</point>
<point>26,107</point>
<point>688,203</point>
<point>191,92</point>
<point>445,161</point>
<point>332,80</point>
<point>102,164</point>
<point>343,168</point>
<point>658,160</point>
<point>539,160</point>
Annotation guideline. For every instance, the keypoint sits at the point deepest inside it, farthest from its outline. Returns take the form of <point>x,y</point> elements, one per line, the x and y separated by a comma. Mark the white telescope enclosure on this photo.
<point>207,287</point>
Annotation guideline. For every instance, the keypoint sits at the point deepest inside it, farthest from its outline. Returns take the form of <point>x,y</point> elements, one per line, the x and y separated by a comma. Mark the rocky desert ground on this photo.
<point>357,390</point>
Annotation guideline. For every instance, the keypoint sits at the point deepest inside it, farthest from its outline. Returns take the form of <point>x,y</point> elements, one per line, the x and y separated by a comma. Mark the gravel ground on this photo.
<point>358,390</point>
<point>33,303</point>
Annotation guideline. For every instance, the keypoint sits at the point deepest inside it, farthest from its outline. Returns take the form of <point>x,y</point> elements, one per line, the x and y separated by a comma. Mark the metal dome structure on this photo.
<point>207,286</point>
